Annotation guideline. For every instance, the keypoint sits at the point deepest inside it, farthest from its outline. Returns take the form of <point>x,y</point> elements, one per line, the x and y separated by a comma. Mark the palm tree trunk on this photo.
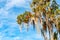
<point>32,21</point>
<point>33,24</point>
<point>45,36</point>
<point>51,31</point>
<point>27,27</point>
<point>51,35</point>
<point>20,27</point>
<point>37,25</point>
<point>41,17</point>
<point>43,32</point>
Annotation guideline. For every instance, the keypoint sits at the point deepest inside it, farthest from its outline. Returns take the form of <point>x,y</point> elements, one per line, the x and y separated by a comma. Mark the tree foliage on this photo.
<point>48,10</point>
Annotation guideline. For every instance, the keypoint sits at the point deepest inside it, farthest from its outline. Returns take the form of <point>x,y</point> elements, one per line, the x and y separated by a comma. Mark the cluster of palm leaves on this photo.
<point>24,17</point>
<point>46,12</point>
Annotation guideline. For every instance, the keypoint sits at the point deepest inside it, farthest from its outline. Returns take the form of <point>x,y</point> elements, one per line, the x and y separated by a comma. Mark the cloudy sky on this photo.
<point>9,29</point>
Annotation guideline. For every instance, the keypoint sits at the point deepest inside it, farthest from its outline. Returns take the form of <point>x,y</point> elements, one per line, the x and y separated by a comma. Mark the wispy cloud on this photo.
<point>12,3</point>
<point>18,3</point>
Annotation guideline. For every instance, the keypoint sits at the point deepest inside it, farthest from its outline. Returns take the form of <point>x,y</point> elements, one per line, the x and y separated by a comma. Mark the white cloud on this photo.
<point>18,38</point>
<point>3,12</point>
<point>12,3</point>
<point>18,3</point>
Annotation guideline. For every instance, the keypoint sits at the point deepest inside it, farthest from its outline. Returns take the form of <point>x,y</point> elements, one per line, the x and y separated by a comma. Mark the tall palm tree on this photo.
<point>44,13</point>
<point>38,9</point>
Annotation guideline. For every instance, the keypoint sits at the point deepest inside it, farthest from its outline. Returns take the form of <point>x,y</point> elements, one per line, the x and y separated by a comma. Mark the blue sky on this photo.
<point>9,29</point>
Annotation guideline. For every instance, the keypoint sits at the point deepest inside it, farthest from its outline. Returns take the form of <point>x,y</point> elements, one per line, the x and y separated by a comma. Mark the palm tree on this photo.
<point>45,14</point>
<point>36,11</point>
<point>20,20</point>
<point>27,16</point>
<point>23,18</point>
